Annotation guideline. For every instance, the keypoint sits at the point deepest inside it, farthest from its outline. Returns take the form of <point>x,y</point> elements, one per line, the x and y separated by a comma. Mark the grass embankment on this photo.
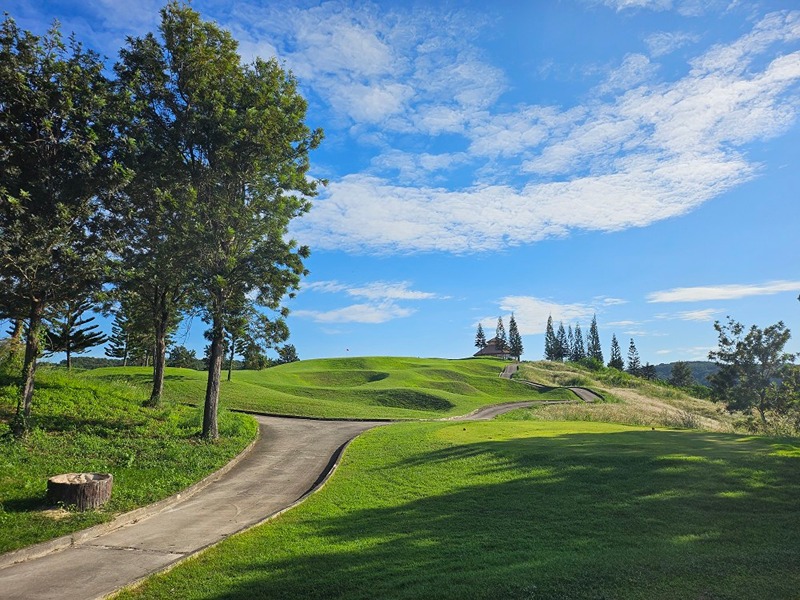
<point>89,425</point>
<point>629,400</point>
<point>525,510</point>
<point>366,388</point>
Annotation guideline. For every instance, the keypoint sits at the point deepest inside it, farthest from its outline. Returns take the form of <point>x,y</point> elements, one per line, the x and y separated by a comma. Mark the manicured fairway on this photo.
<point>371,387</point>
<point>526,510</point>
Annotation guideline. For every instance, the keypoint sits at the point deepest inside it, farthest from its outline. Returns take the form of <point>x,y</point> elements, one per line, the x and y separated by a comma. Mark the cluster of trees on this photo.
<point>511,343</point>
<point>161,191</point>
<point>568,345</point>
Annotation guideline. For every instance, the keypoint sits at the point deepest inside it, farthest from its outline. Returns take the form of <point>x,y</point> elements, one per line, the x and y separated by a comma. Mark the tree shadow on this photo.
<point>635,514</point>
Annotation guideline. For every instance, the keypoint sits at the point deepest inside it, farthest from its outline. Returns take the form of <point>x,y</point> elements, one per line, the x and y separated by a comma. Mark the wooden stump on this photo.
<point>84,490</point>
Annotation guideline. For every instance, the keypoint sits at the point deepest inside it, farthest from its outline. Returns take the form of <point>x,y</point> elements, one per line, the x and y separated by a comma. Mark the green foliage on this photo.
<point>66,332</point>
<point>514,339</point>
<point>480,338</point>
<point>681,375</point>
<point>578,351</point>
<point>753,367</point>
<point>524,510</point>
<point>550,341</point>
<point>91,425</point>
<point>183,358</point>
<point>634,364</point>
<point>562,344</point>
<point>593,347</point>
<point>615,362</point>
<point>500,335</point>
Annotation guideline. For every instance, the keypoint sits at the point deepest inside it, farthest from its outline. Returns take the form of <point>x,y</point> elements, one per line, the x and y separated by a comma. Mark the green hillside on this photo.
<point>368,387</point>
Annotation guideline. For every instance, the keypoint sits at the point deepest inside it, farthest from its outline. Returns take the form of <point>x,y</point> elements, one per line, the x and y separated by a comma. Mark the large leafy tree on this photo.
<point>616,362</point>
<point>593,347</point>
<point>243,170</point>
<point>69,331</point>
<point>752,364</point>
<point>514,339</point>
<point>57,178</point>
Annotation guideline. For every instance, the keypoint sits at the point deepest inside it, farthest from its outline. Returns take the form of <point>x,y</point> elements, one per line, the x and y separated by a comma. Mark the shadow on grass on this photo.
<point>636,514</point>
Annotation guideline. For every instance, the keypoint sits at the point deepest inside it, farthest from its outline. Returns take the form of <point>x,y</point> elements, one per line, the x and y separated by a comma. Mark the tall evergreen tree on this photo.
<point>562,345</point>
<point>634,364</point>
<point>616,361</point>
<point>550,341</point>
<point>500,335</point>
<point>117,346</point>
<point>57,182</point>
<point>480,338</point>
<point>578,349</point>
<point>681,374</point>
<point>593,348</point>
<point>514,339</point>
<point>570,343</point>
<point>67,333</point>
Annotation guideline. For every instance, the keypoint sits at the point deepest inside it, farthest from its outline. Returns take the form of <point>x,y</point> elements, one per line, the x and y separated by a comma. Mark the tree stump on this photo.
<point>84,490</point>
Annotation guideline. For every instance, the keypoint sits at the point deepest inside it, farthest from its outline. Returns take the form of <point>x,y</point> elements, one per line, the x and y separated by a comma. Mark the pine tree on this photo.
<point>480,338</point>
<point>594,350</point>
<point>118,340</point>
<point>578,349</point>
<point>569,349</point>
<point>67,333</point>
<point>550,342</point>
<point>500,336</point>
<point>681,374</point>
<point>616,355</point>
<point>562,347</point>
<point>514,339</point>
<point>648,371</point>
<point>634,364</point>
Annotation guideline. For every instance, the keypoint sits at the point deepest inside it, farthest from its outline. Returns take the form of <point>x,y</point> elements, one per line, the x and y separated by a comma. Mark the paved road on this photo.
<point>584,394</point>
<point>290,459</point>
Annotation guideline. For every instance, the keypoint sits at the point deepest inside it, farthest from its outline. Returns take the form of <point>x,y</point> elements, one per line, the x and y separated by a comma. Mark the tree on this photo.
<point>578,349</point>
<point>648,371</point>
<point>562,345</point>
<point>751,366</point>
<point>514,339</point>
<point>570,348</point>
<point>550,341</point>
<point>480,338</point>
<point>182,357</point>
<point>57,182</point>
<point>634,364</point>
<point>118,340</point>
<point>616,355</point>
<point>287,354</point>
<point>66,332</point>
<point>593,348</point>
<point>243,165</point>
<point>500,335</point>
<point>681,375</point>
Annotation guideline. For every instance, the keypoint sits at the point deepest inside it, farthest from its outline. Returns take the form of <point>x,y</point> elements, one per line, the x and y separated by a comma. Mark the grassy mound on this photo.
<point>366,387</point>
<point>525,510</point>
<point>91,425</point>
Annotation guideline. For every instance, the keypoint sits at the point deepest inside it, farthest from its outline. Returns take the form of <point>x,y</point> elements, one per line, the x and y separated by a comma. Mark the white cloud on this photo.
<point>666,42</point>
<point>698,315</point>
<point>657,150</point>
<point>607,301</point>
<point>531,313</point>
<point>723,292</point>
<point>623,323</point>
<point>357,313</point>
<point>377,290</point>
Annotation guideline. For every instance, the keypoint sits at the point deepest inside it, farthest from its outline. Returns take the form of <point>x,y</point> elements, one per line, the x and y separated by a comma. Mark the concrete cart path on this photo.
<point>290,459</point>
<point>585,394</point>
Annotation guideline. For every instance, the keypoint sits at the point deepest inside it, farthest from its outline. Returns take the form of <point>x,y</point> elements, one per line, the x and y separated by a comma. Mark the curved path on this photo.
<point>291,459</point>
<point>583,393</point>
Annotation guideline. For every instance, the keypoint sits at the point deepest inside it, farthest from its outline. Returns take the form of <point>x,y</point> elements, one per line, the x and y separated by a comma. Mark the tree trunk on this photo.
<point>16,334</point>
<point>69,359</point>
<point>210,429</point>
<point>159,353</point>
<point>21,422</point>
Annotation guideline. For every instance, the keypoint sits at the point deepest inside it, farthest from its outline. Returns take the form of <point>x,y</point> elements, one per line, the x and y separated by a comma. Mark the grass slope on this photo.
<point>88,425</point>
<point>525,510</point>
<point>371,387</point>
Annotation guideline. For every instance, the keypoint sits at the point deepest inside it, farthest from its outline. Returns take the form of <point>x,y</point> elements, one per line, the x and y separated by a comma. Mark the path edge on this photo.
<point>13,557</point>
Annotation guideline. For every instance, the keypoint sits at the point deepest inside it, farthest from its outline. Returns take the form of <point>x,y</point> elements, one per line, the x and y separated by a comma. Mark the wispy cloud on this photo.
<point>723,292</point>
<point>666,42</point>
<point>643,150</point>
<point>531,313</point>
<point>381,306</point>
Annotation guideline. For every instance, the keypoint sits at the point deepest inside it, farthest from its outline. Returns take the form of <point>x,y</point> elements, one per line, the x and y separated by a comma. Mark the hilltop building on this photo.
<point>492,348</point>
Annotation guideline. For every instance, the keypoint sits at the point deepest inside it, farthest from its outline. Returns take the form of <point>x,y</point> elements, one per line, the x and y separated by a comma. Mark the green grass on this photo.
<point>371,387</point>
<point>90,425</point>
<point>525,510</point>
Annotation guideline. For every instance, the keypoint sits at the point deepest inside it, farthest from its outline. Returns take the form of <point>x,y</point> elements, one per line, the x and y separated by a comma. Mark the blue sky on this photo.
<point>634,159</point>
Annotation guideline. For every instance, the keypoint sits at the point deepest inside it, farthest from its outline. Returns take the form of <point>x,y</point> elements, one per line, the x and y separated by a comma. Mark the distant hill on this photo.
<point>701,369</point>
